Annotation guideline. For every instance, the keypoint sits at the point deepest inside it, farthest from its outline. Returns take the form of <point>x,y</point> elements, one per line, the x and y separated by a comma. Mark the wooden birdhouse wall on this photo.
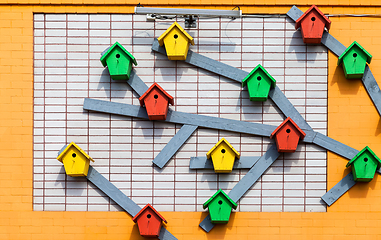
<point>156,103</point>
<point>287,138</point>
<point>176,45</point>
<point>312,27</point>
<point>76,165</point>
<point>259,86</point>
<point>223,158</point>
<point>119,64</point>
<point>354,63</point>
<point>220,209</point>
<point>149,223</point>
<point>364,167</point>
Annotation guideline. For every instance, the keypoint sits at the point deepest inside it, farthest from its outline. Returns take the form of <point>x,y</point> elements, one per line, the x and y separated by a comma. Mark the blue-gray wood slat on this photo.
<point>120,198</point>
<point>204,163</point>
<point>236,74</point>
<point>136,83</point>
<point>335,146</point>
<point>339,189</point>
<point>173,145</point>
<point>372,88</point>
<point>181,117</point>
<point>247,181</point>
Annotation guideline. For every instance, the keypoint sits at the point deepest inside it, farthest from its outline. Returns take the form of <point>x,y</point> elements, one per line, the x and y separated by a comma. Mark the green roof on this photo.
<point>225,195</point>
<point>368,59</point>
<point>360,153</point>
<point>258,67</point>
<point>104,56</point>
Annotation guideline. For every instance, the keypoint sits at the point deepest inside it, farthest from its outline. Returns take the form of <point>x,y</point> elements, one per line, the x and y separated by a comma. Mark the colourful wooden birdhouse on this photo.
<point>149,221</point>
<point>220,206</point>
<point>354,60</point>
<point>118,61</point>
<point>364,165</point>
<point>287,136</point>
<point>176,42</point>
<point>223,156</point>
<point>258,82</point>
<point>312,24</point>
<point>156,101</point>
<point>75,160</point>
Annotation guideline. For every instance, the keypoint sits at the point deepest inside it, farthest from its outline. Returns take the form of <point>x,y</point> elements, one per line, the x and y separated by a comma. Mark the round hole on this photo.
<point>355,55</point>
<point>365,159</point>
<point>220,202</point>
<point>118,55</point>
<point>223,150</point>
<point>149,216</point>
<point>313,19</point>
<point>155,96</point>
<point>74,155</point>
<point>259,78</point>
<point>288,130</point>
<point>175,36</point>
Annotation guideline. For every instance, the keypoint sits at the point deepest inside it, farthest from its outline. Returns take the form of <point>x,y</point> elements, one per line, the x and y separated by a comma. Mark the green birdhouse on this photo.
<point>354,60</point>
<point>220,206</point>
<point>364,165</point>
<point>119,62</point>
<point>258,82</point>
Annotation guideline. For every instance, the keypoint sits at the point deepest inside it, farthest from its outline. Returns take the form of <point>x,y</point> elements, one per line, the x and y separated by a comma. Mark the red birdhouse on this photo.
<point>287,136</point>
<point>156,101</point>
<point>312,24</point>
<point>149,221</point>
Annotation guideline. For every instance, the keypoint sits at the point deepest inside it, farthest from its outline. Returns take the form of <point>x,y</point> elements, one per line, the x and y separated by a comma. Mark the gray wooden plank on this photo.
<point>339,189</point>
<point>181,117</point>
<point>173,145</point>
<point>247,181</point>
<point>120,198</point>
<point>335,146</point>
<point>372,88</point>
<point>294,13</point>
<point>137,83</point>
<point>332,44</point>
<point>204,163</point>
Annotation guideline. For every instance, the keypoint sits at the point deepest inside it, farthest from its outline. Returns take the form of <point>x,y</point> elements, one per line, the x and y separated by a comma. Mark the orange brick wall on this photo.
<point>352,120</point>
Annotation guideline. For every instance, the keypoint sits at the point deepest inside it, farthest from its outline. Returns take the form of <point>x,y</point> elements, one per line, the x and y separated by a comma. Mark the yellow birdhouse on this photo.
<point>75,160</point>
<point>223,155</point>
<point>176,42</point>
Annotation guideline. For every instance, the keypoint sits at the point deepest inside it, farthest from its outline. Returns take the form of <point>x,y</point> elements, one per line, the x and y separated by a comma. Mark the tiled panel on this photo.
<point>67,69</point>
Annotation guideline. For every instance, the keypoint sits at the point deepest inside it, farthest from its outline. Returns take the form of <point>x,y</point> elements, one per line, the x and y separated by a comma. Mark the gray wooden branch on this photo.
<point>372,88</point>
<point>204,163</point>
<point>247,181</point>
<point>339,189</point>
<point>120,198</point>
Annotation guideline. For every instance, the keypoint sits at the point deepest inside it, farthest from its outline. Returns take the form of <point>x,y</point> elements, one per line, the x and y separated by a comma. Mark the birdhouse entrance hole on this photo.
<point>288,130</point>
<point>355,55</point>
<point>74,155</point>
<point>155,96</point>
<point>313,19</point>
<point>149,216</point>
<point>223,150</point>
<point>365,159</point>
<point>220,202</point>
<point>259,78</point>
<point>118,55</point>
<point>175,36</point>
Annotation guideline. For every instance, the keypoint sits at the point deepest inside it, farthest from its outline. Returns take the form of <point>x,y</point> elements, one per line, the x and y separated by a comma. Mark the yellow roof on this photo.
<point>175,24</point>
<point>219,142</point>
<point>59,158</point>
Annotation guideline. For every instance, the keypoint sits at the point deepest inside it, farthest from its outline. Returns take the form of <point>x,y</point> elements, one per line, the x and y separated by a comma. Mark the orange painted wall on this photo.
<point>352,119</point>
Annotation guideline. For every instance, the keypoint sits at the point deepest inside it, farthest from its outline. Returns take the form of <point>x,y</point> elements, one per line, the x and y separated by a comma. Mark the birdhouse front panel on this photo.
<point>354,63</point>
<point>287,138</point>
<point>312,27</point>
<point>149,223</point>
<point>259,86</point>
<point>75,163</point>
<point>223,158</point>
<point>119,64</point>
<point>220,209</point>
<point>176,44</point>
<point>364,167</point>
<point>156,104</point>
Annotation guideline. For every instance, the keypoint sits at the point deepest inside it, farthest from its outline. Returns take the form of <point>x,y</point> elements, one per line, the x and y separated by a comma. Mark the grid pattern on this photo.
<point>67,69</point>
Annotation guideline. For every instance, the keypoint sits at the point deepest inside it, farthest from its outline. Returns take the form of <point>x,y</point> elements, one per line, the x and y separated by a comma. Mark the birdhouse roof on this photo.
<point>135,218</point>
<point>116,44</point>
<point>258,68</point>
<point>174,25</point>
<point>217,144</point>
<point>360,153</point>
<point>302,134</point>
<point>368,56</point>
<point>234,205</point>
<point>72,144</point>
<point>141,99</point>
<point>313,7</point>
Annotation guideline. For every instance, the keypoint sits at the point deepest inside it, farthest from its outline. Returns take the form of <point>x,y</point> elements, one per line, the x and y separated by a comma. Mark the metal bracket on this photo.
<point>190,21</point>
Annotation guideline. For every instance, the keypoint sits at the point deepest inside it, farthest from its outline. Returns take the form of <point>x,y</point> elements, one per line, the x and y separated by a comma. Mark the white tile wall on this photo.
<point>67,69</point>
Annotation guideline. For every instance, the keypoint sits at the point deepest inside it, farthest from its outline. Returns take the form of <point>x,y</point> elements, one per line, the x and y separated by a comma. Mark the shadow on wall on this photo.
<point>346,86</point>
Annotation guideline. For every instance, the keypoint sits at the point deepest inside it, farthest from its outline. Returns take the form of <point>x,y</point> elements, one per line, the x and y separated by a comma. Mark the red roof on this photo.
<point>170,98</point>
<point>303,134</point>
<point>327,21</point>
<point>135,218</point>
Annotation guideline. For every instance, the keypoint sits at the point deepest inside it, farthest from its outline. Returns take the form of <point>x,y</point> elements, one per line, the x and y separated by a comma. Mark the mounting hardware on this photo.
<point>191,21</point>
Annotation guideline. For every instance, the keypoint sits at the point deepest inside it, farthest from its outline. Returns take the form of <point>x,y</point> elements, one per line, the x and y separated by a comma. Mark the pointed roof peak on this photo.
<point>108,51</point>
<point>368,55</point>
<point>135,218</point>
<point>365,149</point>
<point>208,155</point>
<point>302,133</point>
<point>174,25</point>
<point>72,144</point>
<point>315,8</point>
<point>258,68</point>
<point>220,191</point>
<point>155,85</point>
